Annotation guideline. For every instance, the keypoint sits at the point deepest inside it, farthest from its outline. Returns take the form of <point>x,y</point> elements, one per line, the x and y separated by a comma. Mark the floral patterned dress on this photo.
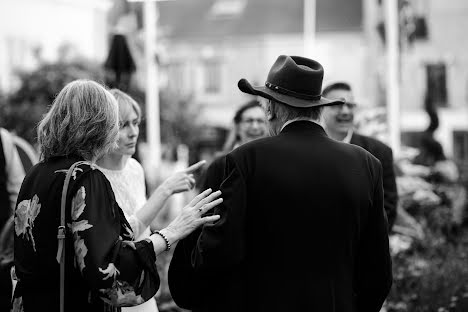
<point>105,268</point>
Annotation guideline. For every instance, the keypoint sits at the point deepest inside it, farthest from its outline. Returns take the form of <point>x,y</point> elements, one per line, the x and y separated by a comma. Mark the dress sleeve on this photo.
<point>120,271</point>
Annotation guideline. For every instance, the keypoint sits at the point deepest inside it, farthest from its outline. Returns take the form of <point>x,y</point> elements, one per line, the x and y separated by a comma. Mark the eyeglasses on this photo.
<point>349,105</point>
<point>252,120</point>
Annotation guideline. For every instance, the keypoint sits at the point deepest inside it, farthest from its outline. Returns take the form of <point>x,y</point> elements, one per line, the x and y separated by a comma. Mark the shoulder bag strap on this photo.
<point>61,232</point>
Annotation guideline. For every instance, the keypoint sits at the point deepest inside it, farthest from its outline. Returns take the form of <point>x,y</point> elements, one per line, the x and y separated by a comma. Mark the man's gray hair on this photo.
<point>83,121</point>
<point>286,112</point>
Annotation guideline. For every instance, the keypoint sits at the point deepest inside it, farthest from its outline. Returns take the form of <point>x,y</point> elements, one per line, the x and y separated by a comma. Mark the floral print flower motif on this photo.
<point>78,203</point>
<point>75,171</point>
<point>110,271</point>
<point>80,226</point>
<point>80,247</point>
<point>17,304</point>
<point>80,250</point>
<point>35,208</point>
<point>21,217</point>
<point>121,294</point>
<point>129,244</point>
<point>127,232</point>
<point>77,207</point>
<point>25,214</point>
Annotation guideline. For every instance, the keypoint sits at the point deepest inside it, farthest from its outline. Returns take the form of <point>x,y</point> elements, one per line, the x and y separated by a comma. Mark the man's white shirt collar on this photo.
<point>297,119</point>
<point>347,138</point>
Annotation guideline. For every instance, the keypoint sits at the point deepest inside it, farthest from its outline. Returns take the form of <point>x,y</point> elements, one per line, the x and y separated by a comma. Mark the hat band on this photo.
<point>292,93</point>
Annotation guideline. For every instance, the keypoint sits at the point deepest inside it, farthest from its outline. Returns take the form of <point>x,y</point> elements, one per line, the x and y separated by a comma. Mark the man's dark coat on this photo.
<point>383,153</point>
<point>302,228</point>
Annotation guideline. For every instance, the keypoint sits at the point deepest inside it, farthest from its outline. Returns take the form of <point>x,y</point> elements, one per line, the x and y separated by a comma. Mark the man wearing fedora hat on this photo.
<point>302,224</point>
<point>338,121</point>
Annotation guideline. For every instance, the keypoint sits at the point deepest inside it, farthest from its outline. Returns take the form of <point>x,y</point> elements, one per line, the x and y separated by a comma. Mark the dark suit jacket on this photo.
<point>383,153</point>
<point>302,228</point>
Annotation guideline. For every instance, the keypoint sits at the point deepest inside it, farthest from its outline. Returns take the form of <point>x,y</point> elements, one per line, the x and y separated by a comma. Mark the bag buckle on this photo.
<point>61,232</point>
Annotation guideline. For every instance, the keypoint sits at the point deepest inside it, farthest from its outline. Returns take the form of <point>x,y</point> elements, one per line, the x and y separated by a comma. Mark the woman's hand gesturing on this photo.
<point>191,216</point>
<point>182,181</point>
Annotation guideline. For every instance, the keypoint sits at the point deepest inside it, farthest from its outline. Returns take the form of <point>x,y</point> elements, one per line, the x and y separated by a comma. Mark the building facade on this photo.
<point>208,45</point>
<point>32,31</point>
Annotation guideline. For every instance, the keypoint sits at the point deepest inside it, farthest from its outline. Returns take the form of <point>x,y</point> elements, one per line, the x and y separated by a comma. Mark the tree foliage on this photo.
<point>21,110</point>
<point>24,108</point>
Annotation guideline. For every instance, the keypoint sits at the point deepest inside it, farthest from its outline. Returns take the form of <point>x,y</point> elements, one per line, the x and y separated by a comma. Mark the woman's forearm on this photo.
<point>159,243</point>
<point>154,205</point>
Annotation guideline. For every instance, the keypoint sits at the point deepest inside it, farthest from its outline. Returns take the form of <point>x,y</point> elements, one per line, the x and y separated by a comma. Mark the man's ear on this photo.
<point>270,114</point>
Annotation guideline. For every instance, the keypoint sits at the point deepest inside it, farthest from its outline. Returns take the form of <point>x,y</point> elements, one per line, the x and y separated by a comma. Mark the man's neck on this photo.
<point>297,119</point>
<point>337,135</point>
<point>113,161</point>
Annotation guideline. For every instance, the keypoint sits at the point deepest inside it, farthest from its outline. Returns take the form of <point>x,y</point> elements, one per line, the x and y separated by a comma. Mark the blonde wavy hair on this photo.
<point>82,121</point>
<point>126,103</point>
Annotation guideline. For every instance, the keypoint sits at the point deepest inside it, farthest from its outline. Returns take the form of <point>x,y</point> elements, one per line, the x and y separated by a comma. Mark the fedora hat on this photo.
<point>294,81</point>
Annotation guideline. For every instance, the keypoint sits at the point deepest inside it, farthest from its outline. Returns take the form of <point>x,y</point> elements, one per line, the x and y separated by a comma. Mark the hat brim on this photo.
<point>267,93</point>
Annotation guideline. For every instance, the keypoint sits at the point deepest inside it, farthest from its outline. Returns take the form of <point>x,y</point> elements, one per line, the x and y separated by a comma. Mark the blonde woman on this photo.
<point>127,177</point>
<point>105,268</point>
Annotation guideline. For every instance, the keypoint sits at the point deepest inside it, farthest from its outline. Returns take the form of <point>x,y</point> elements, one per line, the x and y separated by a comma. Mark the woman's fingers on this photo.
<point>207,199</point>
<point>194,167</point>
<point>199,197</point>
<point>210,219</point>
<point>207,207</point>
<point>184,183</point>
<point>191,181</point>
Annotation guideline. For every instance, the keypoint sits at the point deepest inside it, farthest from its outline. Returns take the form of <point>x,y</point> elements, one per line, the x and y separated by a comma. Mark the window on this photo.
<point>436,84</point>
<point>175,76</point>
<point>411,138</point>
<point>212,76</point>
<point>227,8</point>
<point>460,152</point>
<point>460,145</point>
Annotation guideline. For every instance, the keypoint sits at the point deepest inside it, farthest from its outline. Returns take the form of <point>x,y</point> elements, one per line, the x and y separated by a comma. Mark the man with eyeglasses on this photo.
<point>338,121</point>
<point>249,124</point>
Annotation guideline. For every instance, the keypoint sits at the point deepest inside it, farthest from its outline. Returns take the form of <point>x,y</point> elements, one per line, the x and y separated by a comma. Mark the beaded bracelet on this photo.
<point>168,245</point>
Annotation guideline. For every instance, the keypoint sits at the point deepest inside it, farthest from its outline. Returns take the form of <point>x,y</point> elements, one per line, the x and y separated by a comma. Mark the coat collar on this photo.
<point>305,126</point>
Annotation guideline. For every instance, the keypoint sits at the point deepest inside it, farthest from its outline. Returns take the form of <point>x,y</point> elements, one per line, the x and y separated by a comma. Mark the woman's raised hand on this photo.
<point>182,181</point>
<point>191,216</point>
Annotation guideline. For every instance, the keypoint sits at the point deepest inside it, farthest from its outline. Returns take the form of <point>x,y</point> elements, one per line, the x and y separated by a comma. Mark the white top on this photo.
<point>349,135</point>
<point>129,189</point>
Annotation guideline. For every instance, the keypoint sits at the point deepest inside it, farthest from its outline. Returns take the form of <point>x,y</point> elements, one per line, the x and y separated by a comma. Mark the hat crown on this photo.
<point>296,74</point>
<point>293,80</point>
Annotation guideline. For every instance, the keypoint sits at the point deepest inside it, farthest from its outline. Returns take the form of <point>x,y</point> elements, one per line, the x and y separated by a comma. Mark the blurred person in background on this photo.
<point>339,125</point>
<point>441,171</point>
<point>11,177</point>
<point>302,224</point>
<point>431,152</point>
<point>105,266</point>
<point>127,178</point>
<point>249,123</point>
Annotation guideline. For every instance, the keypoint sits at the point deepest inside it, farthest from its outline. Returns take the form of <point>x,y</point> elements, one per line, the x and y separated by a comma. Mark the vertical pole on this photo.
<point>393,86</point>
<point>152,84</point>
<point>309,27</point>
